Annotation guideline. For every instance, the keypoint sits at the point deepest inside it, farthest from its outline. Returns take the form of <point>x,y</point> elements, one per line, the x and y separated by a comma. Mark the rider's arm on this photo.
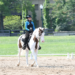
<point>33,26</point>
<point>26,24</point>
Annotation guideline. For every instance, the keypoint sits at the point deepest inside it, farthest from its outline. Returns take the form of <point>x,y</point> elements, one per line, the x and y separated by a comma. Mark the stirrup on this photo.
<point>39,48</point>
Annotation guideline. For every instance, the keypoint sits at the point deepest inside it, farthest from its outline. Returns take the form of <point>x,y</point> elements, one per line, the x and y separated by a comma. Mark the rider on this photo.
<point>29,26</point>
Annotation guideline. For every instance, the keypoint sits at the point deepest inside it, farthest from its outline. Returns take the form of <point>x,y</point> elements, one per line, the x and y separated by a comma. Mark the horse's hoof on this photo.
<point>27,65</point>
<point>37,66</point>
<point>18,64</point>
<point>32,65</point>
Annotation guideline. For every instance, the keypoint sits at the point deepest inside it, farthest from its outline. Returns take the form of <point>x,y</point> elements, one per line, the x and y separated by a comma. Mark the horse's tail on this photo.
<point>20,47</point>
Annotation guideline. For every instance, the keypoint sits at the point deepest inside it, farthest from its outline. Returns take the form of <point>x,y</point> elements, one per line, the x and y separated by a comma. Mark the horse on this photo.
<point>37,35</point>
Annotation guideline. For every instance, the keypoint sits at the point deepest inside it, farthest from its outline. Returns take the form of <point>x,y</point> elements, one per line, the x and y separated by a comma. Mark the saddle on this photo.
<point>28,40</point>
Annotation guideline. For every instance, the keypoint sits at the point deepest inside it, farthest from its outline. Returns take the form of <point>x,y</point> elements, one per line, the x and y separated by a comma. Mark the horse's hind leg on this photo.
<point>19,53</point>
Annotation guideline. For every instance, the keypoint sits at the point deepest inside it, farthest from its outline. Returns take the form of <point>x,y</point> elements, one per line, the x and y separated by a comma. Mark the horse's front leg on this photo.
<point>31,56</point>
<point>34,53</point>
<point>27,51</point>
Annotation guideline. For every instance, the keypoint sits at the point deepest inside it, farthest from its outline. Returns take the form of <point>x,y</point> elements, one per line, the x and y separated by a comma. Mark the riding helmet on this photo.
<point>29,16</point>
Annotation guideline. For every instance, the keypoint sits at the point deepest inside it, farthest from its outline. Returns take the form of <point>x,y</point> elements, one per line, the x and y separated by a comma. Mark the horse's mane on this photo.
<point>37,30</point>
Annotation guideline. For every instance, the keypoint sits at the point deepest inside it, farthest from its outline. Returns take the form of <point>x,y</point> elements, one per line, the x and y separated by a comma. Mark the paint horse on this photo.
<point>33,44</point>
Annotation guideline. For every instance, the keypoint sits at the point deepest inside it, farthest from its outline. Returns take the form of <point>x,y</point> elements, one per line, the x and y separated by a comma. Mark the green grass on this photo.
<point>8,45</point>
<point>52,44</point>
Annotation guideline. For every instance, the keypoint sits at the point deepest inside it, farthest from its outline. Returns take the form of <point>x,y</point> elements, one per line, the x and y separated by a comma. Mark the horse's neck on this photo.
<point>35,35</point>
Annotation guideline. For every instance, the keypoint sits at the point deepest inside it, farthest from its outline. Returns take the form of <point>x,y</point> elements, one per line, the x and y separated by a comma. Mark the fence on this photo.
<point>64,33</point>
<point>47,32</point>
<point>11,32</point>
<point>19,32</point>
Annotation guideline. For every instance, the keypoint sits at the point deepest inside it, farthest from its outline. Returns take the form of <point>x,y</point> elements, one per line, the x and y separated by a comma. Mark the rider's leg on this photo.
<point>26,39</point>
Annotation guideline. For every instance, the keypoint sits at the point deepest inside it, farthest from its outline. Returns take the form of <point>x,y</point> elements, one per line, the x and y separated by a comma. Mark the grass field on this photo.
<point>52,45</point>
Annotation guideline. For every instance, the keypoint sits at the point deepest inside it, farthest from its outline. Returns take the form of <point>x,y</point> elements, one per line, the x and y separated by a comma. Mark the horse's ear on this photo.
<point>39,29</point>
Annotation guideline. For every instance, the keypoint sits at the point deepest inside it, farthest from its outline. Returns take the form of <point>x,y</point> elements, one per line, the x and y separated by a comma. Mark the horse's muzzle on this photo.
<point>43,41</point>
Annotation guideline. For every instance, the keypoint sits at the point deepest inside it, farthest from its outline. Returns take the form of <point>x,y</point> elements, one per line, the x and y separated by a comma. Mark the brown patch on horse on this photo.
<point>20,46</point>
<point>40,31</point>
<point>35,40</point>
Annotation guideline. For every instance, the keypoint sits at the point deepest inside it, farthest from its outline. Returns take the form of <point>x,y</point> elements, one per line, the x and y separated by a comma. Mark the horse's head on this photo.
<point>41,34</point>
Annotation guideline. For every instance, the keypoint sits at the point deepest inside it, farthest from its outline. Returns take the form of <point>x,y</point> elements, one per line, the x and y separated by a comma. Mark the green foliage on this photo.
<point>62,14</point>
<point>12,22</point>
<point>28,6</point>
<point>46,15</point>
<point>1,3</point>
<point>6,7</point>
<point>34,14</point>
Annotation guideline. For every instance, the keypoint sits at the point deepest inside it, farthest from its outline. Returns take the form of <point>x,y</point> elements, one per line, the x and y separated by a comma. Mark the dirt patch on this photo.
<point>47,66</point>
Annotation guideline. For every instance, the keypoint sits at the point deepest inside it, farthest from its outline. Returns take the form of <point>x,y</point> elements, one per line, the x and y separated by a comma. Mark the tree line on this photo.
<point>59,15</point>
<point>9,21</point>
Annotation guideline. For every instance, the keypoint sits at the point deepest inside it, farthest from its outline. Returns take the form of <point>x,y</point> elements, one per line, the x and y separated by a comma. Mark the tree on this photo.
<point>20,6</point>
<point>46,14</point>
<point>5,9</point>
<point>25,6</point>
<point>28,6</point>
<point>12,22</point>
<point>63,13</point>
<point>34,14</point>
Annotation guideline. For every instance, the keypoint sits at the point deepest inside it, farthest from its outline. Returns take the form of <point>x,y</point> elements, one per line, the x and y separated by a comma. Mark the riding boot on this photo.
<point>39,47</point>
<point>26,40</point>
<point>24,46</point>
<point>25,43</point>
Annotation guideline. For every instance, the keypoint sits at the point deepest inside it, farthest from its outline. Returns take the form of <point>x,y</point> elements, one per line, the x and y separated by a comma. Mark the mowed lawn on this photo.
<point>52,45</point>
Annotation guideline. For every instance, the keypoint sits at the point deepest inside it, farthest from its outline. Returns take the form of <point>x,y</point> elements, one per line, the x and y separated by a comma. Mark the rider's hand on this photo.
<point>30,30</point>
